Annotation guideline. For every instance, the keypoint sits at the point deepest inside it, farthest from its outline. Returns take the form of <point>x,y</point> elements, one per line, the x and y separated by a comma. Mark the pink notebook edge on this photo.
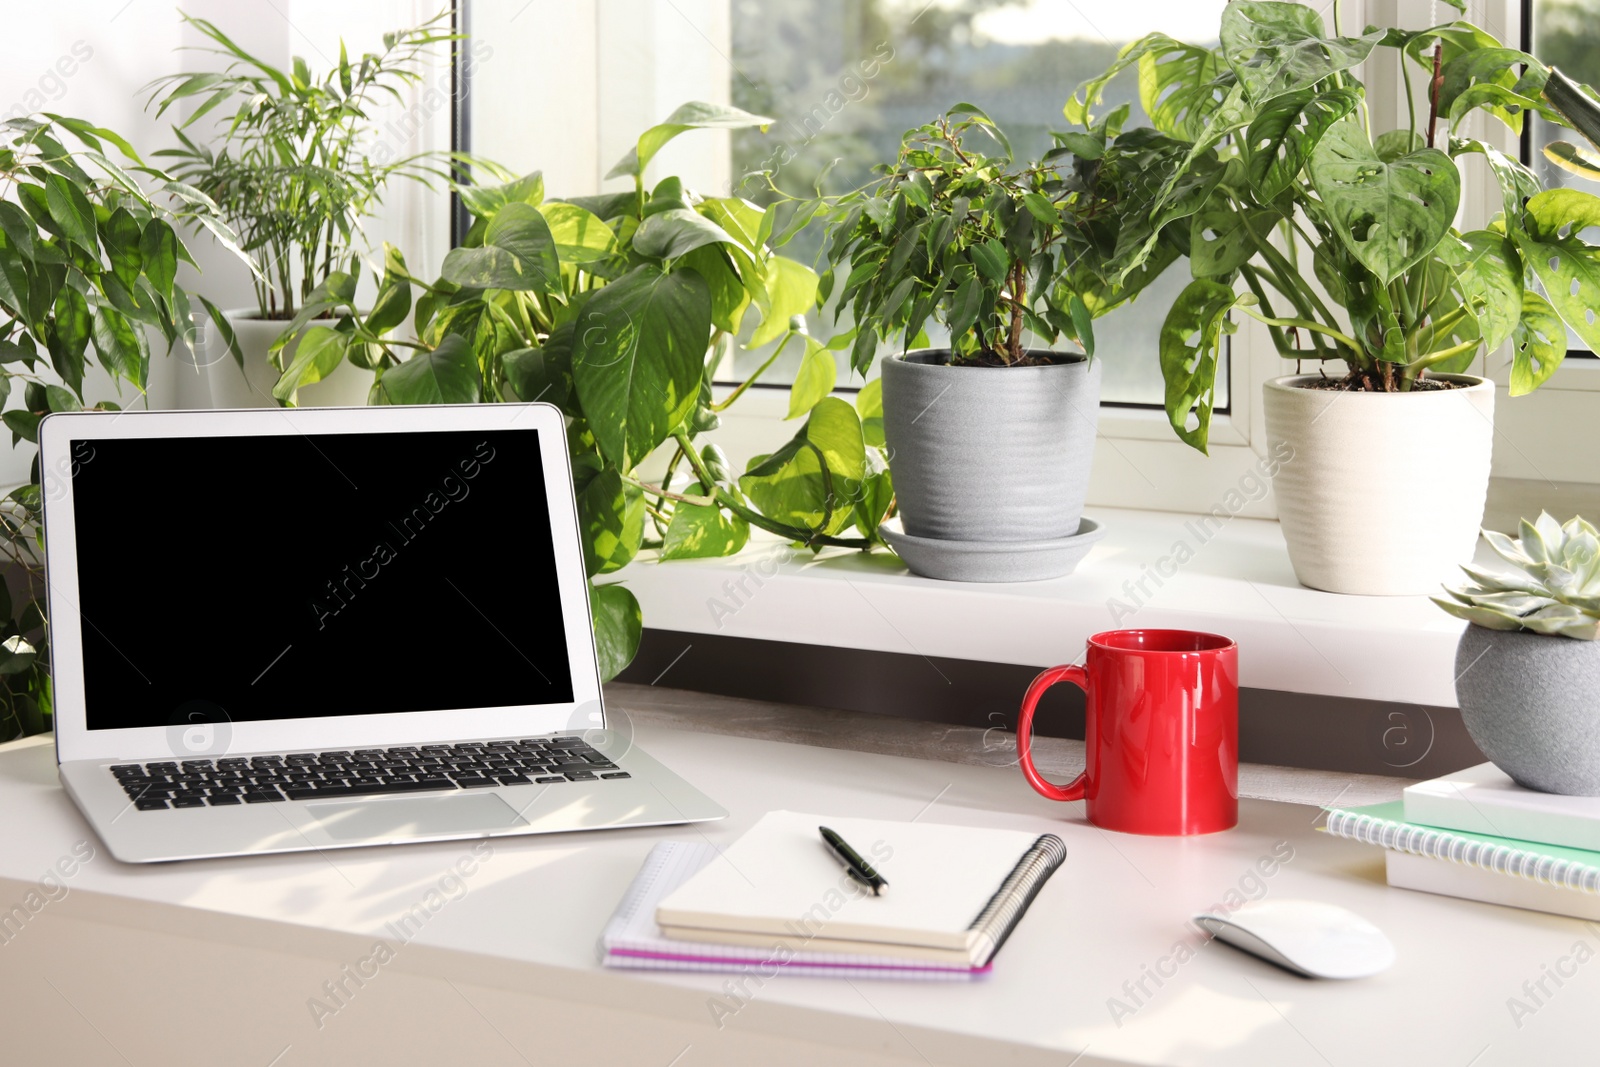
<point>678,957</point>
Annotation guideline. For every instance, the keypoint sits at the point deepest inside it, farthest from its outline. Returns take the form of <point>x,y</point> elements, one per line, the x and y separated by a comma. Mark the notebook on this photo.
<point>954,892</point>
<point>1473,866</point>
<point>633,940</point>
<point>1405,871</point>
<point>1484,799</point>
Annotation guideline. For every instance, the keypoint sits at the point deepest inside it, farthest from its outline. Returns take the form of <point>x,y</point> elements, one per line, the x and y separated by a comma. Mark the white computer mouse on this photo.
<point>1304,936</point>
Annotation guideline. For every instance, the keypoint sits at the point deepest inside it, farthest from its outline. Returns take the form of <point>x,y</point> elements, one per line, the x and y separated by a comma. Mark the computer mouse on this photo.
<point>1304,936</point>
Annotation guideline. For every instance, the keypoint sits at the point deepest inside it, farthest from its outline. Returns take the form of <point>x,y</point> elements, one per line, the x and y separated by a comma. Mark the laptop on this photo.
<point>290,629</point>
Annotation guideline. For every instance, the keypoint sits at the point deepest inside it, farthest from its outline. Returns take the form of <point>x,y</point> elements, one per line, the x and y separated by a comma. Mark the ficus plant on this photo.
<point>296,163</point>
<point>957,231</point>
<point>620,309</point>
<point>1262,172</point>
<point>89,254</point>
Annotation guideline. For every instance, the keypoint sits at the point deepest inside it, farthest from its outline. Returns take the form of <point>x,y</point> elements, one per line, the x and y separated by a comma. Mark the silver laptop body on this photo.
<point>379,614</point>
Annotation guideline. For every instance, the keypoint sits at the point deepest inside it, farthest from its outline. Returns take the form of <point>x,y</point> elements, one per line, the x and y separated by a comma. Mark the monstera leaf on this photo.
<point>1180,84</point>
<point>1219,237</point>
<point>1517,182</point>
<point>1389,214</point>
<point>1278,48</point>
<point>1567,267</point>
<point>1488,271</point>
<point>1538,345</point>
<point>1190,337</point>
<point>1283,135</point>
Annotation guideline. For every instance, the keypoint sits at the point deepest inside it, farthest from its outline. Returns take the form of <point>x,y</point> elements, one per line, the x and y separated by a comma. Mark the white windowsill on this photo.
<point>1238,583</point>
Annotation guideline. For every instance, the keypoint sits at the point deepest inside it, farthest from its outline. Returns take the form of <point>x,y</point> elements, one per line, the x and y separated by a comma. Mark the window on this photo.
<point>566,88</point>
<point>843,79</point>
<point>1543,439</point>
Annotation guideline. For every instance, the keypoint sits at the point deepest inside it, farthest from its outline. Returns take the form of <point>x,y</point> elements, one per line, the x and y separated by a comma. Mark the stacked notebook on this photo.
<point>777,899</point>
<point>1478,835</point>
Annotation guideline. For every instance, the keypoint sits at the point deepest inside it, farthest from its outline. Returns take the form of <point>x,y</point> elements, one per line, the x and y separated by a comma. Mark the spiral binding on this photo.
<point>1440,844</point>
<point>1006,908</point>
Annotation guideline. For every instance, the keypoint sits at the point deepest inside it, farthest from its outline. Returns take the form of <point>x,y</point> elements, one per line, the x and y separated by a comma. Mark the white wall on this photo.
<point>90,59</point>
<point>571,86</point>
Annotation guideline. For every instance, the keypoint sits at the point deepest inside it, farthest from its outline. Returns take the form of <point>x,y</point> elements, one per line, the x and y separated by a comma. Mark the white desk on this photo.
<point>216,962</point>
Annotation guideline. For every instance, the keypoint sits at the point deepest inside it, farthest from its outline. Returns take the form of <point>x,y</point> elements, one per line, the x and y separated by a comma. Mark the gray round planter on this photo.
<point>990,454</point>
<point>1532,703</point>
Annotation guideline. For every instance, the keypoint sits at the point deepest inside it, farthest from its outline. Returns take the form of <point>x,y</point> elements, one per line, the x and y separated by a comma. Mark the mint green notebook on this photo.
<point>1384,825</point>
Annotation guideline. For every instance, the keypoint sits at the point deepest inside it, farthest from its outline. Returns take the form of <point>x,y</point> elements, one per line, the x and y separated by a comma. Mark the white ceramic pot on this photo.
<point>226,386</point>
<point>1380,494</point>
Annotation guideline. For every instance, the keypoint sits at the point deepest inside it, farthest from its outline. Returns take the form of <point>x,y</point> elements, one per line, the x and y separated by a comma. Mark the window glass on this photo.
<point>845,78</point>
<point>565,88</point>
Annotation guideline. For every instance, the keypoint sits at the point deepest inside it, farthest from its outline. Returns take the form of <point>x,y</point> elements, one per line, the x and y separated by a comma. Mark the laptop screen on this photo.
<point>296,577</point>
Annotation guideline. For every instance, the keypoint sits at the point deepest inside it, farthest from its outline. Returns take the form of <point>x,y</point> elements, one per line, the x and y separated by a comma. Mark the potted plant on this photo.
<point>619,309</point>
<point>87,268</point>
<point>990,438</point>
<point>1294,211</point>
<point>1528,666</point>
<point>297,168</point>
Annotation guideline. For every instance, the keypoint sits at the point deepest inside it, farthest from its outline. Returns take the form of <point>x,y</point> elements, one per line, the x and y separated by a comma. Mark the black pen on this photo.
<point>856,867</point>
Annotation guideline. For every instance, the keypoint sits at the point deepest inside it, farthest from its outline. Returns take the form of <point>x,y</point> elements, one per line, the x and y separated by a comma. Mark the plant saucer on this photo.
<point>992,561</point>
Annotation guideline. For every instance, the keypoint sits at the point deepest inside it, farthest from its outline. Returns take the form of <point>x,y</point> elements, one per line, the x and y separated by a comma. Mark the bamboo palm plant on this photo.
<point>296,166</point>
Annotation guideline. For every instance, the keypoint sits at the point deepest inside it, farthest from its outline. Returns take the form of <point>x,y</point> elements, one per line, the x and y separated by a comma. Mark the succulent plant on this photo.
<point>1558,591</point>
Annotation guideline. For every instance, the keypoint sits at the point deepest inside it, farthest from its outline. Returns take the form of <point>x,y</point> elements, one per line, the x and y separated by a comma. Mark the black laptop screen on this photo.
<point>251,578</point>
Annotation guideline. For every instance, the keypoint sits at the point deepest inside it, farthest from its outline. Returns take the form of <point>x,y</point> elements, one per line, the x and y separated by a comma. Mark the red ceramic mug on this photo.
<point>1161,732</point>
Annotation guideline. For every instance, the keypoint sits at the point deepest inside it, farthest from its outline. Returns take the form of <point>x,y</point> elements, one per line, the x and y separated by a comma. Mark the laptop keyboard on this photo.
<point>363,772</point>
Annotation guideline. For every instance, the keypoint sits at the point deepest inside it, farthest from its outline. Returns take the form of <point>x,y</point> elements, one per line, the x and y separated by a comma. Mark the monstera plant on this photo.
<point>1264,170</point>
<point>88,264</point>
<point>620,309</point>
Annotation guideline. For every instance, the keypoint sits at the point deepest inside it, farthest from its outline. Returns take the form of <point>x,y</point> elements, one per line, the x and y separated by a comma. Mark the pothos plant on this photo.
<point>1262,167</point>
<point>959,232</point>
<point>88,262</point>
<point>620,309</point>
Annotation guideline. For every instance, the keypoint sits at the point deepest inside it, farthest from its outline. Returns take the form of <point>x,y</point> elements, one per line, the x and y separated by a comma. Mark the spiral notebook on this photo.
<point>954,894</point>
<point>633,940</point>
<point>1473,866</point>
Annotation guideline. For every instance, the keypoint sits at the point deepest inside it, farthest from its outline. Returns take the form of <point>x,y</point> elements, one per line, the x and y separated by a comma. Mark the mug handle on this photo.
<point>1073,790</point>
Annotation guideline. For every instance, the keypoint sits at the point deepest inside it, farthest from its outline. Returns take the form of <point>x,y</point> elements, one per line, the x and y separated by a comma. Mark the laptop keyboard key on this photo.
<point>363,772</point>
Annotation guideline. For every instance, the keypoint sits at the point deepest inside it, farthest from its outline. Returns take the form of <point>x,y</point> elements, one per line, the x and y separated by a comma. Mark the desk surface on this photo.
<point>1093,972</point>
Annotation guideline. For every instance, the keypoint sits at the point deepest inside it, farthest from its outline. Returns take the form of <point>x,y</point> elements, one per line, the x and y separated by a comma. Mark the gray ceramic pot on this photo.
<point>1532,703</point>
<point>990,453</point>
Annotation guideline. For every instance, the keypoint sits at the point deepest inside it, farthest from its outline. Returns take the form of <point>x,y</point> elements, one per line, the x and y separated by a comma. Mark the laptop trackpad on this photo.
<point>412,817</point>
